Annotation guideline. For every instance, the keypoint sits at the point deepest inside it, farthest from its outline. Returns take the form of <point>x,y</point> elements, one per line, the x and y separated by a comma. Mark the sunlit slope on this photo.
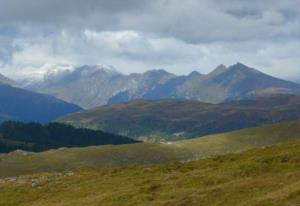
<point>243,139</point>
<point>259,177</point>
<point>20,162</point>
<point>17,163</point>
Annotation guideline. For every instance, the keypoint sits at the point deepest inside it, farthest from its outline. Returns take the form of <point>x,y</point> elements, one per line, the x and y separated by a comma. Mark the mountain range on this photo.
<point>182,166</point>
<point>156,120</point>
<point>90,86</point>
<point>22,105</point>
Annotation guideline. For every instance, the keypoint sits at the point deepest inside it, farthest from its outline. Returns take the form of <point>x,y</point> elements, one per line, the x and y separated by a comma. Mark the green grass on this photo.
<point>258,177</point>
<point>18,163</point>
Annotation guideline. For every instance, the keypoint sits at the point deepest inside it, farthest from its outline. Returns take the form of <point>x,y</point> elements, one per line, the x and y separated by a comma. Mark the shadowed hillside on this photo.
<point>181,119</point>
<point>37,137</point>
<point>21,105</point>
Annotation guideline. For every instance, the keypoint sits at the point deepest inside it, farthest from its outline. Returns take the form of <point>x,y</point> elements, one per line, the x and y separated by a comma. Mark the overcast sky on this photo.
<point>139,35</point>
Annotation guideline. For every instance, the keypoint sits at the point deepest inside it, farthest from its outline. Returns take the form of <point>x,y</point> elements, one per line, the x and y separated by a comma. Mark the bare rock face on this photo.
<point>90,86</point>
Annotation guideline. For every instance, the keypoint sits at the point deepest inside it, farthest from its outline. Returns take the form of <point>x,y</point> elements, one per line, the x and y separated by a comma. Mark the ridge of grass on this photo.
<point>257,177</point>
<point>20,162</point>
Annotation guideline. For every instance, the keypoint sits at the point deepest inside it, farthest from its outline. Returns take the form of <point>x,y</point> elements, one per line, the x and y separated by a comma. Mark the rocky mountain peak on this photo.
<point>219,69</point>
<point>195,74</point>
<point>242,68</point>
<point>157,72</point>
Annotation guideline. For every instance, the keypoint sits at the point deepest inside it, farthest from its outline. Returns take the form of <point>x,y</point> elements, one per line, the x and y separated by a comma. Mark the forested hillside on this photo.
<point>37,137</point>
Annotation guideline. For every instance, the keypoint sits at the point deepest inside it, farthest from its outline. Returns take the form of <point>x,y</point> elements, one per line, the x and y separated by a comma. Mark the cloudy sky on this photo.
<point>138,35</point>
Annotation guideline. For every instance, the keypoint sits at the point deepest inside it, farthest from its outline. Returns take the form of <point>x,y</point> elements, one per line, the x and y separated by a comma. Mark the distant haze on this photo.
<point>139,35</point>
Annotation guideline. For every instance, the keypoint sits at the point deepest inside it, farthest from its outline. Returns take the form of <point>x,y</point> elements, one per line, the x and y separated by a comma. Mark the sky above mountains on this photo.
<point>138,35</point>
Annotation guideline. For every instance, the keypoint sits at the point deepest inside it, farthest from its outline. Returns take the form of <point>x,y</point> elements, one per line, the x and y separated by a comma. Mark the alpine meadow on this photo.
<point>149,103</point>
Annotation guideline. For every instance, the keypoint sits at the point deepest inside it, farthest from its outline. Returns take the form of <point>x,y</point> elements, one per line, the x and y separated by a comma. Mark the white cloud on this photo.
<point>137,35</point>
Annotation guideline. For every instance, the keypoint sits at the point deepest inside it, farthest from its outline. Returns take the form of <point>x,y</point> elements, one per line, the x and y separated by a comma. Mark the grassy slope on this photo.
<point>259,177</point>
<point>175,119</point>
<point>17,163</point>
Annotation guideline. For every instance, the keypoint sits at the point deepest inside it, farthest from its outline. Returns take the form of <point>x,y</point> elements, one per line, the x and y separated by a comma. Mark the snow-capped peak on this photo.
<point>105,68</point>
<point>57,70</point>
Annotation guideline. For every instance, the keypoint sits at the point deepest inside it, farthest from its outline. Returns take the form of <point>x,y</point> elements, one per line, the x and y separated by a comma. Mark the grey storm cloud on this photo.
<point>136,35</point>
<point>192,20</point>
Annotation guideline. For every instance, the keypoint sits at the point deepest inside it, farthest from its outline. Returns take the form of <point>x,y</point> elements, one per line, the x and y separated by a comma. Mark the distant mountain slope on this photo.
<point>90,86</point>
<point>168,90</point>
<point>18,163</point>
<point>36,137</point>
<point>19,104</point>
<point>180,119</point>
<point>233,83</point>
<point>5,80</point>
<point>81,86</point>
<point>139,85</point>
